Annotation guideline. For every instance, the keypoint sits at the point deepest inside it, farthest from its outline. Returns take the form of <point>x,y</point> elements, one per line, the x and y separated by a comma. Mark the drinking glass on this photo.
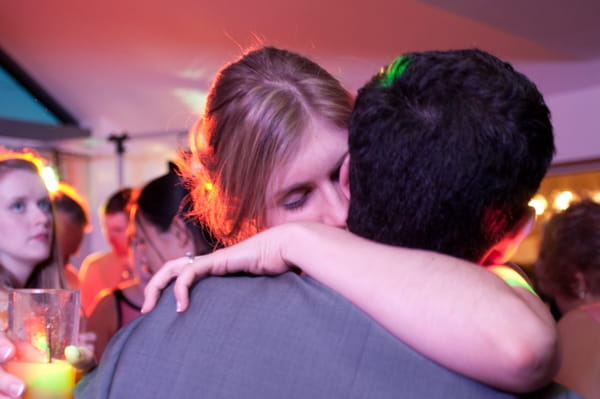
<point>41,324</point>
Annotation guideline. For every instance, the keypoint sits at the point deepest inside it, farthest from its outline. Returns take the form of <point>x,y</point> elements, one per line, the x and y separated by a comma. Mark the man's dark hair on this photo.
<point>118,202</point>
<point>446,149</point>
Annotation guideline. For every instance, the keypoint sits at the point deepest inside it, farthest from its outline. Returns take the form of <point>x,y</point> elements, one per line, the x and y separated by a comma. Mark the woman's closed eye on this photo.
<point>296,199</point>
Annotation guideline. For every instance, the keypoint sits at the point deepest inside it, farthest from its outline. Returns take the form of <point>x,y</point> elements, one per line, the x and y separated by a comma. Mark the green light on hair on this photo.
<point>393,71</point>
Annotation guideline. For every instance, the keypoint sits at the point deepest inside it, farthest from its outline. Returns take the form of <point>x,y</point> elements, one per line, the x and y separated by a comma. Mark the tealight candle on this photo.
<point>54,380</point>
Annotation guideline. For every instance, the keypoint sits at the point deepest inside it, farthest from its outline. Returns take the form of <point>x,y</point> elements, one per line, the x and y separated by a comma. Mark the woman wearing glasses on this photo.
<point>159,231</point>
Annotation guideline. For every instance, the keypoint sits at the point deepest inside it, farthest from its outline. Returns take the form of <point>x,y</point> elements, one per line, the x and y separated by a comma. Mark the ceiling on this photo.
<point>143,67</point>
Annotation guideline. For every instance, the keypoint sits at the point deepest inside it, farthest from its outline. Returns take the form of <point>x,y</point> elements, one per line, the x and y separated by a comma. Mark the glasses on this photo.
<point>139,241</point>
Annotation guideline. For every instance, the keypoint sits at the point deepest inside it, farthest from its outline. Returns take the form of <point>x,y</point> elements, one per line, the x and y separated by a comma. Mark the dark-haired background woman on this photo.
<point>160,231</point>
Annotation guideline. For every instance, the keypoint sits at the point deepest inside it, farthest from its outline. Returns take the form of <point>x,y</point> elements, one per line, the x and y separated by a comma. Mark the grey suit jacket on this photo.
<point>267,337</point>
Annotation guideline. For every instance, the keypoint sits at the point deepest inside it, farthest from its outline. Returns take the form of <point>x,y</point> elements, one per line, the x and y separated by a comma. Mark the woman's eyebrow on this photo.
<point>21,198</point>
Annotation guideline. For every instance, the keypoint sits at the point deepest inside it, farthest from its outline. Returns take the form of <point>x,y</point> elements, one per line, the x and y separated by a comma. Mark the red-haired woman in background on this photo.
<point>29,256</point>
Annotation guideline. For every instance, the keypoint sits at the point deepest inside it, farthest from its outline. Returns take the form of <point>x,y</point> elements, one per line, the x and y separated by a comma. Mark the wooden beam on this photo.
<point>40,131</point>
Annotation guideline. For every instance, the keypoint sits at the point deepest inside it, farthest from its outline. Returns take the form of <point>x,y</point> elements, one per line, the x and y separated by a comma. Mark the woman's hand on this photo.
<point>260,254</point>
<point>10,386</point>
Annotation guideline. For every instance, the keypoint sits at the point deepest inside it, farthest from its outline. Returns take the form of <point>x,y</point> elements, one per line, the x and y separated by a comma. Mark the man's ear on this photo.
<point>345,176</point>
<point>503,250</point>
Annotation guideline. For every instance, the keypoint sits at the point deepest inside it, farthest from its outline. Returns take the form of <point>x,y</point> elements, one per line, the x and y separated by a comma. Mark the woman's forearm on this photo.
<point>452,311</point>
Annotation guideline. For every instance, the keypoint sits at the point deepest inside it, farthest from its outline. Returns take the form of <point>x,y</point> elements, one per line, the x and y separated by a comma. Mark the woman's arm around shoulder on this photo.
<point>452,311</point>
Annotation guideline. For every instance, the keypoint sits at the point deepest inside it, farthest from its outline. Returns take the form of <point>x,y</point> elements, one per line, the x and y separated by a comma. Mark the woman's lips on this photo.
<point>43,237</point>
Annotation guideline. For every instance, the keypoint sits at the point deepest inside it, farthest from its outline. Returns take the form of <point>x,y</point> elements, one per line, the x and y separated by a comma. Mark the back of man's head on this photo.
<point>119,201</point>
<point>446,149</point>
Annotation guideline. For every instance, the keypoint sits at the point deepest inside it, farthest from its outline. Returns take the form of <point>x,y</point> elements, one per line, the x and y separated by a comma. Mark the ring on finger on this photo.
<point>190,257</point>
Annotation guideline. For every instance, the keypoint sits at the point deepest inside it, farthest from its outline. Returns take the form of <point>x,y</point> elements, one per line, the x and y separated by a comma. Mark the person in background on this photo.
<point>269,150</point>
<point>568,272</point>
<point>29,254</point>
<point>72,222</point>
<point>159,230</point>
<point>107,270</point>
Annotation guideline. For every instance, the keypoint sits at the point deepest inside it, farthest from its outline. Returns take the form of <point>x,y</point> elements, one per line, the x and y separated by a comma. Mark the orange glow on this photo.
<point>47,173</point>
<point>26,155</point>
<point>40,341</point>
<point>39,338</point>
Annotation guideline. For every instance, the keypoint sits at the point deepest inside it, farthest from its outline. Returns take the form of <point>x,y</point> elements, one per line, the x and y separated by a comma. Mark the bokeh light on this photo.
<point>539,203</point>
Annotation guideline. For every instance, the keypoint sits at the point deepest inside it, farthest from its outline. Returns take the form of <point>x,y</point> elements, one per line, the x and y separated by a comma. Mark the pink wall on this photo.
<point>576,119</point>
<point>572,91</point>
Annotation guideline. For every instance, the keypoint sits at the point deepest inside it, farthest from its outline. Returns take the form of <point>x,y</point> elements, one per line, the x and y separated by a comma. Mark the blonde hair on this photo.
<point>255,117</point>
<point>49,273</point>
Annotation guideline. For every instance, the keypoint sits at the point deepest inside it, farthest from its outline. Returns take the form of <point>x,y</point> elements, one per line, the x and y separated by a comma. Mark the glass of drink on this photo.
<point>42,323</point>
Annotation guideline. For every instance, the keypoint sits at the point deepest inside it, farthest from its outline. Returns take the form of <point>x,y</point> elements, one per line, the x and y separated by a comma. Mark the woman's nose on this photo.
<point>336,211</point>
<point>42,217</point>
